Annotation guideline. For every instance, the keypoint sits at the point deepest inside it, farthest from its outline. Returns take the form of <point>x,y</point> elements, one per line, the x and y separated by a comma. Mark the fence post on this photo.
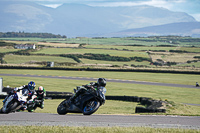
<point>1,87</point>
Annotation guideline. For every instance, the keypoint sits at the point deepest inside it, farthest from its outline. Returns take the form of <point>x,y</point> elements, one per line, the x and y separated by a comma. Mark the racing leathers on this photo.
<point>30,94</point>
<point>17,89</point>
<point>41,96</point>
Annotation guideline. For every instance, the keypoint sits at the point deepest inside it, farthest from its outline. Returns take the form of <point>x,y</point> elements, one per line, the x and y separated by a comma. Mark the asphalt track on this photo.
<point>45,119</point>
<point>108,80</point>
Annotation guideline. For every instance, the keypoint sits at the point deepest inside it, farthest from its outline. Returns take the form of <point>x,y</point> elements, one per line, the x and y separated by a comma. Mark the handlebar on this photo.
<point>38,100</point>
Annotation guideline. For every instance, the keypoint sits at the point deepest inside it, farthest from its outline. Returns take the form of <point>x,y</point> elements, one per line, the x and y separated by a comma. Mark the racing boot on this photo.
<point>42,105</point>
<point>70,100</point>
<point>5,100</point>
<point>24,107</point>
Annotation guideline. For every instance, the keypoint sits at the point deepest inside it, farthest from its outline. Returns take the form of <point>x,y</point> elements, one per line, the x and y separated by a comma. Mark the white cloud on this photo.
<point>157,3</point>
<point>53,5</point>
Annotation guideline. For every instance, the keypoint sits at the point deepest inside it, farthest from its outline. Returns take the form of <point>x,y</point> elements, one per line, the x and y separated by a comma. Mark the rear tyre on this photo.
<point>62,108</point>
<point>91,107</point>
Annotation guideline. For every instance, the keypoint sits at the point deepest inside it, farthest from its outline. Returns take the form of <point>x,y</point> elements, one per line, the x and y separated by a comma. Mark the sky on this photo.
<point>191,7</point>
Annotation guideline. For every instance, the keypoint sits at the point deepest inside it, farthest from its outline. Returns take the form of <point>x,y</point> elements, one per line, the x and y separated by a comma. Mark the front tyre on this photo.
<point>91,107</point>
<point>62,109</point>
<point>11,107</point>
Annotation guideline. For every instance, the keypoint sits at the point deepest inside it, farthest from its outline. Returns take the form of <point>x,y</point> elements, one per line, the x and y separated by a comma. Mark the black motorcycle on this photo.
<point>86,103</point>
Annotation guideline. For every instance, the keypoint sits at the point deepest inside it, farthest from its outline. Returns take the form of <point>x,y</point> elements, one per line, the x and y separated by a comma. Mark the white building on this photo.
<point>25,46</point>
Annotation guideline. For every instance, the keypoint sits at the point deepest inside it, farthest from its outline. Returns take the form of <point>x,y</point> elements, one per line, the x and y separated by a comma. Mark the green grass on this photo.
<point>61,129</point>
<point>193,64</point>
<point>19,59</point>
<point>119,63</point>
<point>190,49</point>
<point>135,48</point>
<point>5,50</point>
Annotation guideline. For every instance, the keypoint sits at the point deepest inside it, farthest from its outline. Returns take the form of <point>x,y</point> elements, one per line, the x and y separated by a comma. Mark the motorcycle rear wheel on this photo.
<point>62,108</point>
<point>91,107</point>
<point>32,109</point>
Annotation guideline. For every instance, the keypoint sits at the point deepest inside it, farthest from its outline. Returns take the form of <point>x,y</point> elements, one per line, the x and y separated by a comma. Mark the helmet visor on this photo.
<point>31,87</point>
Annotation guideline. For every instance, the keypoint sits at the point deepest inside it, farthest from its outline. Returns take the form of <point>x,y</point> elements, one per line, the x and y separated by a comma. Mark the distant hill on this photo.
<point>23,34</point>
<point>181,29</point>
<point>82,20</point>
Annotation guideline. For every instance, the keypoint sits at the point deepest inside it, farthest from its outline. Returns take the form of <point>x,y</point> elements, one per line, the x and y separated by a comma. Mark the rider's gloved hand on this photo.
<point>88,86</point>
<point>15,90</point>
<point>29,96</point>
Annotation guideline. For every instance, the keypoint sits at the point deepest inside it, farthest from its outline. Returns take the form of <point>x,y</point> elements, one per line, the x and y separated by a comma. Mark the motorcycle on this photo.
<point>15,101</point>
<point>86,103</point>
<point>32,105</point>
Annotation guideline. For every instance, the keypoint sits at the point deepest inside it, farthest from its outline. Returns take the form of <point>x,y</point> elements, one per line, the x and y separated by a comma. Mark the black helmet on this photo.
<point>101,82</point>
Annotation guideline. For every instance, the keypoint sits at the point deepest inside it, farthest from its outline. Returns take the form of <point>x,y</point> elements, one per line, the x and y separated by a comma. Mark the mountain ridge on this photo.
<point>82,20</point>
<point>181,29</point>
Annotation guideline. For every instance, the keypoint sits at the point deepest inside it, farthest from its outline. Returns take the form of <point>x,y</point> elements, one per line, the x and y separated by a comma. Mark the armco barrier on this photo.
<point>148,110</point>
<point>124,98</point>
<point>151,106</point>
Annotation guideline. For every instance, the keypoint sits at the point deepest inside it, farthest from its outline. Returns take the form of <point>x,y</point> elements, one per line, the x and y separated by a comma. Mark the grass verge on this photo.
<point>59,129</point>
<point>188,79</point>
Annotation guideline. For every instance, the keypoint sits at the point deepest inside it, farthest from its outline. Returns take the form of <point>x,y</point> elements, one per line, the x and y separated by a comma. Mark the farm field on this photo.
<point>23,59</point>
<point>175,57</point>
<point>128,47</point>
<point>126,53</point>
<point>95,51</point>
<point>7,49</point>
<point>147,41</point>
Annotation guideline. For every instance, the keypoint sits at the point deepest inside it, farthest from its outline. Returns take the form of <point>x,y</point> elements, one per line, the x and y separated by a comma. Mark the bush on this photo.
<point>197,57</point>
<point>171,63</point>
<point>73,56</point>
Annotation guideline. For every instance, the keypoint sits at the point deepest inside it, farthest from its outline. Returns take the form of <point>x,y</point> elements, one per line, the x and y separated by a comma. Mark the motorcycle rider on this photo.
<point>30,87</point>
<point>100,85</point>
<point>41,93</point>
<point>197,84</point>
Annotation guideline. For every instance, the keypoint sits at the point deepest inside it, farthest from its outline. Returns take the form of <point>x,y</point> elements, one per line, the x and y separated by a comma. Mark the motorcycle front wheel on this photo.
<point>91,107</point>
<point>11,107</point>
<point>62,109</point>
